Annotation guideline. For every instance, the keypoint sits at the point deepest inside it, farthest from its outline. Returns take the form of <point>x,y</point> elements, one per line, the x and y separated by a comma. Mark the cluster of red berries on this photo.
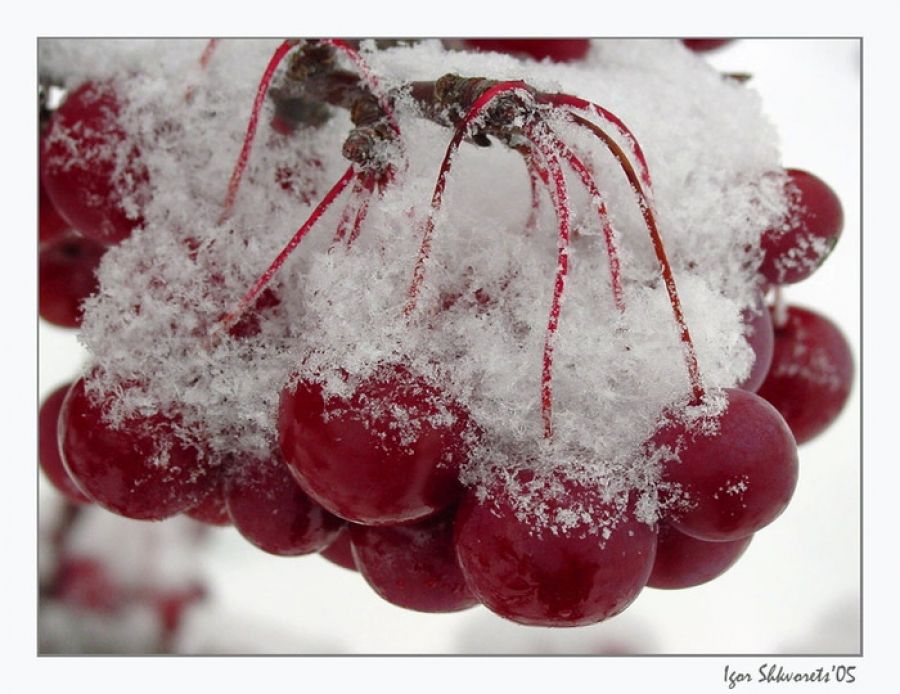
<point>81,199</point>
<point>348,480</point>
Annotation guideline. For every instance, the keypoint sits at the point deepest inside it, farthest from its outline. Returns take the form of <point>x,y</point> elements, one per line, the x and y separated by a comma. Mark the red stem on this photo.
<point>536,175</point>
<point>363,209</point>
<point>349,210</point>
<point>610,117</point>
<point>669,279</point>
<point>249,298</point>
<point>609,234</point>
<point>437,196</point>
<point>560,197</point>
<point>208,52</point>
<point>241,163</point>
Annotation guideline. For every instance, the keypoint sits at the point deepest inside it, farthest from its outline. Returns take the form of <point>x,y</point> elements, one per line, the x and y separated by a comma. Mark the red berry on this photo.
<point>67,270</point>
<point>811,374</point>
<point>737,478</point>
<point>683,561</point>
<point>86,583</point>
<point>272,512</point>
<point>213,509</point>
<point>553,577</point>
<point>50,224</point>
<point>340,551</point>
<point>810,231</point>
<point>86,165</point>
<point>557,50</point>
<point>389,454</point>
<point>413,566</point>
<point>703,45</point>
<point>48,451</point>
<point>761,335</point>
<point>140,469</point>
<point>171,605</point>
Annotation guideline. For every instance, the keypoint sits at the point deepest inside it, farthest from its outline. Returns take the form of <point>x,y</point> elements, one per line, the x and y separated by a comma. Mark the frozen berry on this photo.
<point>387,455</point>
<point>811,374</point>
<point>577,574</point>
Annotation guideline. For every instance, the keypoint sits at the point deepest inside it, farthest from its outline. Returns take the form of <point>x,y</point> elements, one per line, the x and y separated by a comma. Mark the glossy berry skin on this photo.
<point>760,334</point>
<point>414,565</point>
<point>213,509</point>
<point>704,45</point>
<point>811,374</point>
<point>734,481</point>
<point>340,551</point>
<point>271,511</point>
<point>140,470</point>
<point>808,234</point>
<point>557,50</point>
<point>533,576</point>
<point>684,562</point>
<point>86,164</point>
<point>48,447</point>
<point>51,225</point>
<point>67,268</point>
<point>379,457</point>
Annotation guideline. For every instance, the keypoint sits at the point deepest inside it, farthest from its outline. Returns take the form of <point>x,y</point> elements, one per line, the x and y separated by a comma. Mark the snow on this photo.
<point>714,160</point>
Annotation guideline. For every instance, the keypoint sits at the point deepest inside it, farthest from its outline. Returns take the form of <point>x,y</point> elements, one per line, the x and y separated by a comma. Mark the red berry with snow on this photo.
<point>807,235</point>
<point>91,171</point>
<point>736,471</point>
<point>577,561</point>
<point>811,375</point>
<point>388,454</point>
<point>139,468</point>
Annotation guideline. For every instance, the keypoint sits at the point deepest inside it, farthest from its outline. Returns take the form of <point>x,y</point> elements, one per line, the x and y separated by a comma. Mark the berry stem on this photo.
<point>577,103</point>
<point>205,57</point>
<point>536,176</point>
<point>241,163</point>
<point>349,211</point>
<point>560,197</point>
<point>462,128</point>
<point>208,51</point>
<point>690,353</point>
<point>609,234</point>
<point>363,209</point>
<point>249,298</point>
